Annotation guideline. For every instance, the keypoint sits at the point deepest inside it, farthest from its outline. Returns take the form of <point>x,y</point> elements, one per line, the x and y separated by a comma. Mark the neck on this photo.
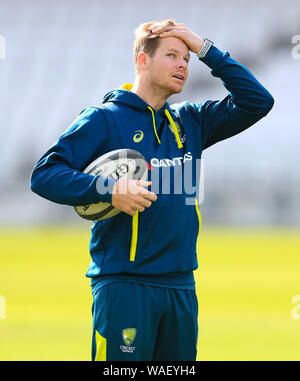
<point>155,96</point>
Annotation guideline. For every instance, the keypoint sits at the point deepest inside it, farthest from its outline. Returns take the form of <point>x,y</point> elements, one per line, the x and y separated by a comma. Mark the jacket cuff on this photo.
<point>214,57</point>
<point>104,188</point>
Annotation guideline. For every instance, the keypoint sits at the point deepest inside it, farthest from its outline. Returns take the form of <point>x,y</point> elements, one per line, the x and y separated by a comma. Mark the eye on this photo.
<point>171,55</point>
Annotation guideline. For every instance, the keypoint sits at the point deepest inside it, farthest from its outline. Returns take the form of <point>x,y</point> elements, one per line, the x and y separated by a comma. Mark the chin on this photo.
<point>178,91</point>
<point>175,89</point>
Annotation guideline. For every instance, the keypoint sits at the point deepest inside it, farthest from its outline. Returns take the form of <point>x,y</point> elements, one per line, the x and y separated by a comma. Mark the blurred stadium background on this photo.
<point>63,55</point>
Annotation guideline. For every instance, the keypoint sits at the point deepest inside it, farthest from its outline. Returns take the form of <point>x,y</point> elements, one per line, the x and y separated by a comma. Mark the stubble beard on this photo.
<point>165,90</point>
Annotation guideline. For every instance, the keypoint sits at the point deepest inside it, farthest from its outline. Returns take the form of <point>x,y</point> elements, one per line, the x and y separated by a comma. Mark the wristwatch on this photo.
<point>205,48</point>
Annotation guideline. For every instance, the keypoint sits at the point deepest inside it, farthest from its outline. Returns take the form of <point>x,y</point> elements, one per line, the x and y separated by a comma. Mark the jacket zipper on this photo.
<point>134,234</point>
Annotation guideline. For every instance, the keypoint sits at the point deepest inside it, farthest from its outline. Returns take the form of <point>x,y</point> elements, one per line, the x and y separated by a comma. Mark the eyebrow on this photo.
<point>177,51</point>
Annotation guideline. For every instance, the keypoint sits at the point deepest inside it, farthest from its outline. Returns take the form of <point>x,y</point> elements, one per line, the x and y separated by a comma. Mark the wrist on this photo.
<point>204,48</point>
<point>104,188</point>
<point>199,45</point>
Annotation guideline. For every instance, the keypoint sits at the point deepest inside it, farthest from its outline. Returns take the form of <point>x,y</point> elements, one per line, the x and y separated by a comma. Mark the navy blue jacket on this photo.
<point>162,240</point>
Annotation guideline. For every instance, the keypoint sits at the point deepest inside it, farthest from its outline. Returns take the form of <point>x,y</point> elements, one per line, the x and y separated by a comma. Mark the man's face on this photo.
<point>168,68</point>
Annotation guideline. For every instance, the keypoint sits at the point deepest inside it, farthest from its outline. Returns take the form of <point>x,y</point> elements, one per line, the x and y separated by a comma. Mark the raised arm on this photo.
<point>246,103</point>
<point>247,100</point>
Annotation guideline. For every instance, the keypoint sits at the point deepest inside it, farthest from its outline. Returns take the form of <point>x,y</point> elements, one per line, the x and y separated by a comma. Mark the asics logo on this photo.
<point>139,135</point>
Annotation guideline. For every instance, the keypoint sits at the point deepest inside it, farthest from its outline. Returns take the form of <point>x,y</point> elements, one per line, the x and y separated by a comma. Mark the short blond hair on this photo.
<point>145,41</point>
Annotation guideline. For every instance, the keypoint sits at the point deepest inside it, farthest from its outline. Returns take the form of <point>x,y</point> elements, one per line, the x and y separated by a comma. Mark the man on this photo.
<point>145,306</point>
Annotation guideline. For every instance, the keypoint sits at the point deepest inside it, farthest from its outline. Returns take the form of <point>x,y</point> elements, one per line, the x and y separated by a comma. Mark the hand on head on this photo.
<point>171,29</point>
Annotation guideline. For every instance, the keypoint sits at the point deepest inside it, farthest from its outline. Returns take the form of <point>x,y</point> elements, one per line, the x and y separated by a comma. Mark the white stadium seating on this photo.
<point>63,55</point>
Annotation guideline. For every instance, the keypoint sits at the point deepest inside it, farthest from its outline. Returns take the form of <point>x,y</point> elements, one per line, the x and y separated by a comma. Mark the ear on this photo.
<point>142,60</point>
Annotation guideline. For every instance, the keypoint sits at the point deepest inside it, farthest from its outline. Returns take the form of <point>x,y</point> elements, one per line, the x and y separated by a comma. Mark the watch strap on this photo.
<point>205,48</point>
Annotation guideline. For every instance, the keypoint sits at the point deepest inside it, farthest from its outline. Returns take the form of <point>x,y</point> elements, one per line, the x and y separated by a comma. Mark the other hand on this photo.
<point>131,196</point>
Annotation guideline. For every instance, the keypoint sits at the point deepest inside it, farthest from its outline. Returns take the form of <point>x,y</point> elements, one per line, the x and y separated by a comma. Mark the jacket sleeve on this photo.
<point>58,175</point>
<point>246,103</point>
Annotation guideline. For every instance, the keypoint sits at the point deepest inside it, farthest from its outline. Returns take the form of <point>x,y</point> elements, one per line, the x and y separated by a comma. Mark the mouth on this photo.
<point>180,77</point>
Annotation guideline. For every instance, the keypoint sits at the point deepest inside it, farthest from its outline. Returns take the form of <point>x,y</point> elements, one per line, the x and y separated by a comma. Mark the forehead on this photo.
<point>167,43</point>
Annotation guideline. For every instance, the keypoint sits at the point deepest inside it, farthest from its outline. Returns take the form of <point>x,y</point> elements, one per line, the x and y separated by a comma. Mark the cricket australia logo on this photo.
<point>128,336</point>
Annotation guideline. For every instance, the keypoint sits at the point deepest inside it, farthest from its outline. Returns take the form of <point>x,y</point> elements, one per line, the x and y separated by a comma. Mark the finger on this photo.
<point>132,208</point>
<point>136,186</point>
<point>154,36</point>
<point>175,30</point>
<point>147,203</point>
<point>137,206</point>
<point>163,24</point>
<point>142,201</point>
<point>143,183</point>
<point>131,212</point>
<point>167,34</point>
<point>149,195</point>
<point>159,28</point>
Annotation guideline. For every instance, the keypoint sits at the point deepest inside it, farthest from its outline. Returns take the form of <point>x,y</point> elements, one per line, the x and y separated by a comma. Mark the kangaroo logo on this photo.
<point>138,137</point>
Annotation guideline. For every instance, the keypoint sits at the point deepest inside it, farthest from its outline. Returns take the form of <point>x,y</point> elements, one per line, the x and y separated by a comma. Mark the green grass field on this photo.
<point>246,281</point>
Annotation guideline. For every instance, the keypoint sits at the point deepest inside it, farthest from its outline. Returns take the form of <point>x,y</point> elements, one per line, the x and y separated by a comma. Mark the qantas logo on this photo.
<point>154,162</point>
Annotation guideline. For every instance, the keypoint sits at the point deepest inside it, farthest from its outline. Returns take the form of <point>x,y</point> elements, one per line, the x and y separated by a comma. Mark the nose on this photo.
<point>182,64</point>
